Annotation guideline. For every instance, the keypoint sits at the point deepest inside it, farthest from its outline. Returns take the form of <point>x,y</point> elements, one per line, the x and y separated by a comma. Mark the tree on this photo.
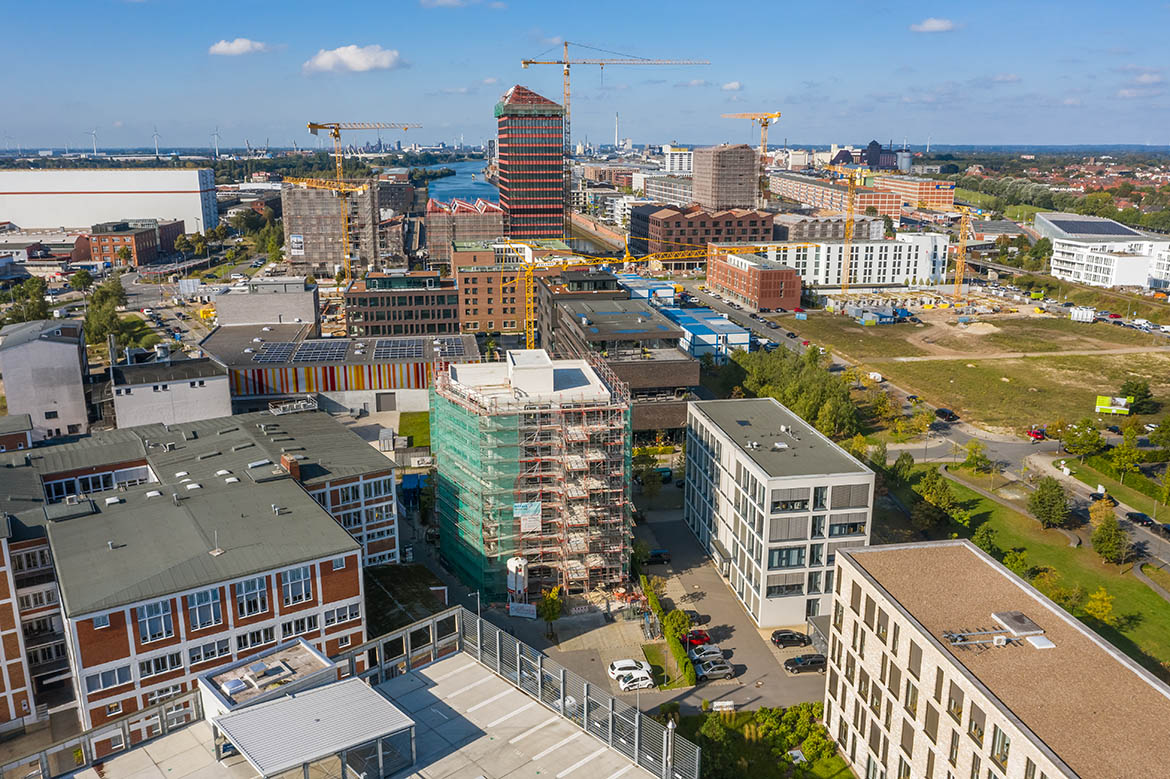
<point>984,538</point>
<point>878,455</point>
<point>1049,503</point>
<point>311,279</point>
<point>676,624</point>
<point>1126,456</point>
<point>1099,606</point>
<point>718,750</point>
<point>857,446</point>
<point>1160,437</point>
<point>1016,561</point>
<point>888,223</point>
<point>549,608</point>
<point>28,301</point>
<point>903,467</point>
<point>276,253</point>
<point>339,277</point>
<point>640,555</point>
<point>1083,439</point>
<point>977,459</point>
<point>81,280</point>
<point>645,467</point>
<point>1111,542</point>
<point>925,517</point>
<point>1143,401</point>
<point>124,255</point>
<point>183,244</point>
<point>1099,511</point>
<point>871,211</point>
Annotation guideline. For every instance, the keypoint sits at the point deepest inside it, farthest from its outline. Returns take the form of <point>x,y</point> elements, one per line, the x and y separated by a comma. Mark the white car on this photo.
<point>705,652</point>
<point>639,680</point>
<point>1150,427</point>
<point>619,668</point>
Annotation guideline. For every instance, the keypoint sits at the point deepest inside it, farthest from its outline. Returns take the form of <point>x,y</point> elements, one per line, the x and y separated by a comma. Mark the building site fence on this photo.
<point>643,740</point>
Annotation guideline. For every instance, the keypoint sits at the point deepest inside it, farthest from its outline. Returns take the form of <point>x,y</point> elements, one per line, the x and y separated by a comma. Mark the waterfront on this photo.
<point>462,185</point>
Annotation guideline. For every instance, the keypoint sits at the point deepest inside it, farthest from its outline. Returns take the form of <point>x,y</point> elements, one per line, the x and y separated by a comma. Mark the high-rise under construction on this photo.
<point>533,461</point>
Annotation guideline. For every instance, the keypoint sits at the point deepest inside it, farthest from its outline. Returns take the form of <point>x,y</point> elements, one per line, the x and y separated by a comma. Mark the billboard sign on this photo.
<point>1110,405</point>
<point>525,610</point>
<point>296,245</point>
<point>529,516</point>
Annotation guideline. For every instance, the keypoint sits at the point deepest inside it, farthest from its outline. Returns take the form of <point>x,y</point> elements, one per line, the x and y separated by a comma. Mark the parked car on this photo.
<point>790,335</point>
<point>1165,527</point>
<point>790,638</point>
<point>696,617</point>
<point>658,557</point>
<point>946,415</point>
<point>714,669</point>
<point>1114,429</point>
<point>1115,316</point>
<point>696,638</point>
<point>1138,518</point>
<point>805,343</point>
<point>911,398</point>
<point>635,681</point>
<point>915,320</point>
<point>148,311</point>
<point>1150,427</point>
<point>773,326</point>
<point>798,310</point>
<point>623,667</point>
<point>704,653</point>
<point>1035,434</point>
<point>802,663</point>
<point>1105,497</point>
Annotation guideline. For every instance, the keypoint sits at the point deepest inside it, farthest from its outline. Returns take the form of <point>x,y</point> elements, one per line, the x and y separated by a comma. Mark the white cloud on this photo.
<point>490,80</point>
<point>732,86</point>
<point>1129,93</point>
<point>1071,101</point>
<point>497,5</point>
<point>455,90</point>
<point>1005,78</point>
<point>1149,78</point>
<point>694,82</point>
<point>235,48</point>
<point>933,24</point>
<point>355,59</point>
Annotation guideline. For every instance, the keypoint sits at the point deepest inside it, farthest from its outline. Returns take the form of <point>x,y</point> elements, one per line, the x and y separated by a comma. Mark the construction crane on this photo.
<point>334,129</point>
<point>961,250</point>
<point>565,64</point>
<point>764,119</point>
<point>851,175</point>
<point>342,188</point>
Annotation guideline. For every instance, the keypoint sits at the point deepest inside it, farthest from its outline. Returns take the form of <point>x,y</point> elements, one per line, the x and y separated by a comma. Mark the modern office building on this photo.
<point>800,227</point>
<point>671,190</point>
<point>270,300</point>
<point>587,284</point>
<point>1059,226</point>
<point>944,663</point>
<point>827,195</point>
<point>772,501</point>
<point>82,197</point>
<point>677,160</point>
<point>43,364</point>
<point>919,192</point>
<point>707,333</point>
<point>147,241</point>
<point>460,220</point>
<point>1113,263</point>
<point>727,177</point>
<point>533,461</point>
<point>655,228</point>
<point>531,174</point>
<point>402,303</point>
<point>758,283</point>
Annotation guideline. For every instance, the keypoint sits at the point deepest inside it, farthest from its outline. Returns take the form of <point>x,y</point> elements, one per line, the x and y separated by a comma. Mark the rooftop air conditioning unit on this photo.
<point>999,641</point>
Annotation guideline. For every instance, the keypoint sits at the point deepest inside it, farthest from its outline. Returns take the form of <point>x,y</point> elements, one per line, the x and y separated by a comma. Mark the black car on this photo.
<point>802,663</point>
<point>790,638</point>
<point>1103,497</point>
<point>658,557</point>
<point>772,326</point>
<point>1114,429</point>
<point>790,335</point>
<point>946,415</point>
<point>1138,518</point>
<point>911,398</point>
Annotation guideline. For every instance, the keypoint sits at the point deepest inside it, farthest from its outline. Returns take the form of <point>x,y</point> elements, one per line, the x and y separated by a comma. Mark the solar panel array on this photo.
<point>1078,227</point>
<point>321,351</point>
<point>451,346</point>
<point>398,348</point>
<point>274,351</point>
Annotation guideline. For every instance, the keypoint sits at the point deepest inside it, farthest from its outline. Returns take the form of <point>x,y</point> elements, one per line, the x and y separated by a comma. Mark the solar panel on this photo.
<point>1078,227</point>
<point>418,348</point>
<point>321,351</point>
<point>451,346</point>
<point>274,351</point>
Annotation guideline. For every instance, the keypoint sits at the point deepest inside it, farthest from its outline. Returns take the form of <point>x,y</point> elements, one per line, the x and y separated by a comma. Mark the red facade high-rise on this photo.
<point>531,164</point>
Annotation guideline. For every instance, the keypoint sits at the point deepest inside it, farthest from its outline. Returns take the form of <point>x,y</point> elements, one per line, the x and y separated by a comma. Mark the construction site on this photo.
<point>533,461</point>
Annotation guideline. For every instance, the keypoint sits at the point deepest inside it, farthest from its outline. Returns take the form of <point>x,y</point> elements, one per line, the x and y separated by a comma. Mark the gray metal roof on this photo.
<point>174,370</point>
<point>24,332</point>
<point>15,423</point>
<point>804,451</point>
<point>619,320</point>
<point>226,345</point>
<point>303,727</point>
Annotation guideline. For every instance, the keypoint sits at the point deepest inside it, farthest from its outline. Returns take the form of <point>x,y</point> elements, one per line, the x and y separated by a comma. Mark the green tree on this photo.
<point>1139,390</point>
<point>1083,439</point>
<point>339,277</point>
<point>1160,437</point>
<point>549,608</point>
<point>879,456</point>
<point>1016,561</point>
<point>888,223</point>
<point>871,211</point>
<point>28,301</point>
<point>124,255</point>
<point>276,253</point>
<point>977,459</point>
<point>984,538</point>
<point>903,466</point>
<point>1099,606</point>
<point>81,280</point>
<point>676,624</point>
<point>639,555</point>
<point>1126,456</point>
<point>718,749</point>
<point>183,244</point>
<point>1049,503</point>
<point>925,517</point>
<point>645,467</point>
<point>311,279</point>
<point>1111,542</point>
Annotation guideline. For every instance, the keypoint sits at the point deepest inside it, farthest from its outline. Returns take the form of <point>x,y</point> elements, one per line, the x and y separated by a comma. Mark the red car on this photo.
<point>1115,316</point>
<point>1036,434</point>
<point>798,310</point>
<point>696,638</point>
<point>804,343</point>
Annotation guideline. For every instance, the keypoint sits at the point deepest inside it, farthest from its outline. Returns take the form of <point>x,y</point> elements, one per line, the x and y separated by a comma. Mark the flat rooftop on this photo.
<point>529,376</point>
<point>1095,708</point>
<point>703,321</point>
<point>287,346</point>
<point>619,320</point>
<point>798,450</point>
<point>286,664</point>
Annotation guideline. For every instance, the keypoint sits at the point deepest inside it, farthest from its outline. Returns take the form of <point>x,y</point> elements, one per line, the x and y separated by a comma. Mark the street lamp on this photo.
<point>477,609</point>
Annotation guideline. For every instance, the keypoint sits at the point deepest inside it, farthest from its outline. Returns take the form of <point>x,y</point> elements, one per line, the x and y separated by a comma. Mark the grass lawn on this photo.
<point>851,339</point>
<point>1130,497</point>
<point>662,666</point>
<point>397,595</point>
<point>1022,213</point>
<point>755,757</point>
<point>1159,575</point>
<point>1144,632</point>
<point>417,425</point>
<point>1019,392</point>
<point>140,333</point>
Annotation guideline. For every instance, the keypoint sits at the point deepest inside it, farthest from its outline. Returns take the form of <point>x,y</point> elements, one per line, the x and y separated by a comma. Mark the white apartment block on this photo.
<point>771,500</point>
<point>944,664</point>
<point>1112,263</point>
<point>678,160</point>
<point>911,258</point>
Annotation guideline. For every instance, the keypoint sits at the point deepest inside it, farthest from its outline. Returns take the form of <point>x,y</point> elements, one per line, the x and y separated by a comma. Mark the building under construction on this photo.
<point>726,176</point>
<point>533,461</point>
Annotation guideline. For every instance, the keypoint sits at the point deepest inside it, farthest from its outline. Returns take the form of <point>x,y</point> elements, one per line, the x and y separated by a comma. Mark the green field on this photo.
<point>1036,334</point>
<point>1019,213</point>
<point>847,337</point>
<point>1108,300</point>
<point>1090,476</point>
<point>417,425</point>
<point>754,757</point>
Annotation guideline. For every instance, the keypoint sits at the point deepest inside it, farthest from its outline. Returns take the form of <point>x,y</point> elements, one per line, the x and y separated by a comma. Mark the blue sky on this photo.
<point>1079,71</point>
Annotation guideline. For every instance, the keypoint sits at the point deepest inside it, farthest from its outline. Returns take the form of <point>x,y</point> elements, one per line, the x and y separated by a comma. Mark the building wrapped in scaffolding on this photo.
<point>533,460</point>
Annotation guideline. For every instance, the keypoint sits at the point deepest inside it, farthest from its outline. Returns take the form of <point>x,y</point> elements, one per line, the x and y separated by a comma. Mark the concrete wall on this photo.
<point>80,198</point>
<point>43,377</point>
<point>179,402</point>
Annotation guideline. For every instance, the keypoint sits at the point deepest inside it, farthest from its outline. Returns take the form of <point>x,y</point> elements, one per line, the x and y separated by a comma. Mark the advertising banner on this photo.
<point>529,516</point>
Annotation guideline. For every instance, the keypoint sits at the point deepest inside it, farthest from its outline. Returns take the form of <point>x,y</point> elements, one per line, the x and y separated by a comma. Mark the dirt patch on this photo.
<point>977,328</point>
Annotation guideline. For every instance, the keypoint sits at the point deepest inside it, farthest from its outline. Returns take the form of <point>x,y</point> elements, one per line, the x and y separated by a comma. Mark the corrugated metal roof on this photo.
<point>308,726</point>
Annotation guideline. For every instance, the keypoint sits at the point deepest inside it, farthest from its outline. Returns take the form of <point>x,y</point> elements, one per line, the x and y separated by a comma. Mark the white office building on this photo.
<point>771,500</point>
<point>678,160</point>
<point>81,197</point>
<point>942,663</point>
<point>1143,263</point>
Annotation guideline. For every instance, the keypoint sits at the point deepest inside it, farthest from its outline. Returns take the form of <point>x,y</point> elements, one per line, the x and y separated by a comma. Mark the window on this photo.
<point>930,724</point>
<point>903,768</point>
<point>343,641</point>
<point>295,627</point>
<point>788,557</point>
<point>976,724</point>
<point>297,585</point>
<point>50,415</point>
<point>210,651</point>
<point>915,663</point>
<point>911,701</point>
<point>976,765</point>
<point>338,563</point>
<point>204,609</point>
<point>35,600</point>
<point>154,621</point>
<point>252,597</point>
<point>113,709</point>
<point>1000,746</point>
<point>955,703</point>
<point>255,638</point>
<point>101,621</point>
<point>343,614</point>
<point>106,679</point>
<point>1029,769</point>
<point>160,665</point>
<point>953,753</point>
<point>163,694</point>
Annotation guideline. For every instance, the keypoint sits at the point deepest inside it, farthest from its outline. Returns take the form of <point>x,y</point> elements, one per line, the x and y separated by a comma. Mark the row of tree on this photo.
<point>803,383</point>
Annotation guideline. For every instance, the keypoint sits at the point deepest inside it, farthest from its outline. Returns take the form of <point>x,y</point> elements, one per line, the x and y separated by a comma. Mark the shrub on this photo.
<point>681,661</point>
<point>1135,481</point>
<point>676,624</point>
<point>651,598</point>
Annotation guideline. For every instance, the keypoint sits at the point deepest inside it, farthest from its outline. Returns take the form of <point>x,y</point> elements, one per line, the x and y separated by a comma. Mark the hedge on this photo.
<point>652,598</point>
<point>1135,481</point>
<point>653,450</point>
<point>676,648</point>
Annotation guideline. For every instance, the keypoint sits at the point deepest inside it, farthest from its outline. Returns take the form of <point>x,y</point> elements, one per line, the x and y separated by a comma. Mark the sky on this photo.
<point>1072,72</point>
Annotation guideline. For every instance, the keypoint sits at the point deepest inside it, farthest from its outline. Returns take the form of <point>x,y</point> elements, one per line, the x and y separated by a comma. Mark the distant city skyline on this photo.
<point>995,74</point>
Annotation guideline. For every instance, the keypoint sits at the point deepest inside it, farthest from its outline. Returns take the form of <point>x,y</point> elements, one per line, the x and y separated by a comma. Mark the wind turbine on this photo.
<point>93,132</point>
<point>215,137</point>
<point>156,141</point>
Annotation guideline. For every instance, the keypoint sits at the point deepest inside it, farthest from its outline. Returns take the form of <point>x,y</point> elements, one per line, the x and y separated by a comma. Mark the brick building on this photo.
<point>833,196</point>
<point>655,228</point>
<point>15,432</point>
<point>727,176</point>
<point>148,240</point>
<point>486,272</point>
<point>402,303</point>
<point>460,220</point>
<point>531,164</point>
<point>756,282</point>
<point>919,192</point>
<point>589,283</point>
<point>617,175</point>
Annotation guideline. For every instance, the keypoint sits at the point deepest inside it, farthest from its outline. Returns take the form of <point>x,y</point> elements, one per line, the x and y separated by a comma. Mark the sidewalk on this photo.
<point>1073,539</point>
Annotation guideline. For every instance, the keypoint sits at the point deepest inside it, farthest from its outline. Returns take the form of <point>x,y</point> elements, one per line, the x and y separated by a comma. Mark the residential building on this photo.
<point>490,280</point>
<point>640,345</point>
<point>799,227</point>
<point>79,197</point>
<point>827,195</point>
<point>460,220</point>
<point>919,192</point>
<point>677,160</point>
<point>589,283</point>
<point>533,461</point>
<point>1056,225</point>
<point>618,209</point>
<point>402,303</point>
<point>943,662</point>
<point>756,282</point>
<point>147,241</point>
<point>1112,263</point>
<point>269,300</point>
<point>656,229</point>
<point>772,501</point>
<point>727,177</point>
<point>672,190</point>
<point>15,432</point>
<point>708,333</point>
<point>617,175</point>
<point>312,228</point>
<point>169,392</point>
<point>531,164</point>
<point>43,364</point>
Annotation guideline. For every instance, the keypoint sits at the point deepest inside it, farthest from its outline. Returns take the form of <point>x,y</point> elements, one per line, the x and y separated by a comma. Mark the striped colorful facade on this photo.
<point>330,378</point>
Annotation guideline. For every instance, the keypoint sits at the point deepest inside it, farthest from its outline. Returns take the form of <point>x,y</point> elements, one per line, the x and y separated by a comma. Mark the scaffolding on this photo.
<point>500,458</point>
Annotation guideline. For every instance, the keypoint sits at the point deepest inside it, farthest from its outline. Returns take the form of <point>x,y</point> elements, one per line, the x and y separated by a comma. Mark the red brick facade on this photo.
<point>756,283</point>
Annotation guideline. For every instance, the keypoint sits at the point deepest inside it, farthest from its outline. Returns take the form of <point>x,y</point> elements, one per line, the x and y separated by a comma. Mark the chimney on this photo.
<point>292,465</point>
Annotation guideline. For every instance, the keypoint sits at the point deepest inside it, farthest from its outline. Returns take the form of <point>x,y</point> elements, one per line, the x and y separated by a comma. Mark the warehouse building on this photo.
<point>1056,226</point>
<point>271,300</point>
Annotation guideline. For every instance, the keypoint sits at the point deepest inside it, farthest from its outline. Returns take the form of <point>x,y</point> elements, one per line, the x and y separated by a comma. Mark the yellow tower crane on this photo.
<point>565,64</point>
<point>763,119</point>
<point>851,175</point>
<point>334,129</point>
<point>961,251</point>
